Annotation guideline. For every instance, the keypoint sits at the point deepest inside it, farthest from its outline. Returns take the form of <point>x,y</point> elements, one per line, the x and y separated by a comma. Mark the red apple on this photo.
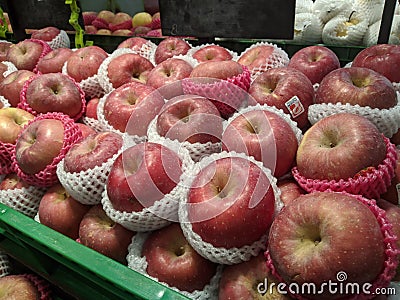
<point>85,129</point>
<point>122,32</point>
<point>249,280</point>
<point>190,118</point>
<point>4,46</point>
<point>266,136</point>
<point>217,69</point>
<point>141,30</point>
<point>91,108</point>
<point>212,53</point>
<point>382,58</point>
<point>98,232</point>
<point>46,34</point>
<point>18,286</point>
<point>169,71</point>
<point>134,43</point>
<point>12,120</point>
<point>38,144</point>
<point>128,67</point>
<point>55,92</point>
<point>290,190</point>
<point>357,85</point>
<point>11,181</point>
<point>62,213</point>
<point>315,62</point>
<point>169,47</point>
<point>230,203</point>
<point>104,31</point>
<point>172,260</point>
<point>54,61</point>
<point>11,86</point>
<point>141,175</point>
<point>131,107</point>
<point>88,17</point>
<point>92,151</point>
<point>324,235</point>
<point>340,146</point>
<point>90,29</point>
<point>287,89</point>
<point>25,54</point>
<point>85,62</point>
<point>256,56</point>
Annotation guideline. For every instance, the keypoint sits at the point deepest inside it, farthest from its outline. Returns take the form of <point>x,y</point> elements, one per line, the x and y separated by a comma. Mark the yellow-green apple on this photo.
<point>212,53</point>
<point>131,107</point>
<point>98,232</point>
<point>55,92</point>
<point>382,58</point>
<point>169,71</point>
<point>4,46</point>
<point>104,31</point>
<point>103,19</point>
<point>290,190</point>
<point>134,43</point>
<point>393,215</point>
<point>340,146</point>
<point>357,85</point>
<point>324,235</point>
<point>230,203</point>
<point>11,86</point>
<point>266,136</point>
<point>18,286</point>
<point>25,54</point>
<point>141,175</point>
<point>85,62</point>
<point>54,61</point>
<point>46,34</point>
<point>62,213</point>
<point>169,47</point>
<point>287,89</point>
<point>38,144</point>
<point>92,151</point>
<point>91,108</point>
<point>128,67</point>
<point>171,259</point>
<point>11,181</point>
<point>315,62</point>
<point>122,32</point>
<point>121,20</point>
<point>249,280</point>
<point>190,118</point>
<point>12,120</point>
<point>141,19</point>
<point>256,56</point>
<point>85,129</point>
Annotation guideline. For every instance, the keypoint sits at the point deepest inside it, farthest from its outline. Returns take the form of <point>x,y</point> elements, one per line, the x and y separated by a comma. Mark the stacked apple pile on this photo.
<point>188,164</point>
<point>121,23</point>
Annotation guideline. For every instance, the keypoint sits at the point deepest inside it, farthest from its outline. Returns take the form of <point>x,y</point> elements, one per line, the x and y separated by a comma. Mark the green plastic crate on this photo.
<point>76,269</point>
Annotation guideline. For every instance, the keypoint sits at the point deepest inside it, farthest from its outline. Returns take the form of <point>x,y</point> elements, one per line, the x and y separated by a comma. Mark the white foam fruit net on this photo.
<point>196,150</point>
<point>86,186</point>
<point>386,120</point>
<point>138,263</point>
<point>307,28</point>
<point>5,264</point>
<point>60,41</point>
<point>163,211</point>
<point>23,200</point>
<point>221,255</point>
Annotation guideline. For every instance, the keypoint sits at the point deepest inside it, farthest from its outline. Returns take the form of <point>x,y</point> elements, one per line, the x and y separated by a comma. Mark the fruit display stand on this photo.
<point>79,271</point>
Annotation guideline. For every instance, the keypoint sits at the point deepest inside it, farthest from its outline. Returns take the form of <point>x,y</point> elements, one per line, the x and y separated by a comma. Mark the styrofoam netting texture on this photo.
<point>370,183</point>
<point>307,28</point>
<point>278,58</point>
<point>45,50</point>
<point>23,104</point>
<point>48,176</point>
<point>386,120</point>
<point>6,150</point>
<point>93,123</point>
<point>222,255</point>
<point>10,68</point>
<point>44,288</point>
<point>23,200</point>
<point>60,41</point>
<point>196,150</point>
<point>4,101</point>
<point>163,211</point>
<point>5,264</point>
<point>325,10</point>
<point>138,263</point>
<point>86,186</point>
<point>391,252</point>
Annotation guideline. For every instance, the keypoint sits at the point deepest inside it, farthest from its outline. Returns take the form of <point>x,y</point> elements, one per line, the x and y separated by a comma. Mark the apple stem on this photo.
<point>352,13</point>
